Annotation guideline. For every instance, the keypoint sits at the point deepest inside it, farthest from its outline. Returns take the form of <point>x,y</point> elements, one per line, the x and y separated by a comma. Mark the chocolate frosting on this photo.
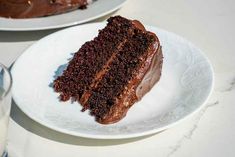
<point>143,81</point>
<point>37,8</point>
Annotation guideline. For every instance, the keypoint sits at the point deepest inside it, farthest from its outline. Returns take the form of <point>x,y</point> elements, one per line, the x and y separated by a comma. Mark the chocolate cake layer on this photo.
<point>38,8</point>
<point>129,66</point>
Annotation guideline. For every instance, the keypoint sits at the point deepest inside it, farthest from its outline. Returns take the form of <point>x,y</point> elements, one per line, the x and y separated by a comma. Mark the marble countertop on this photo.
<point>211,132</point>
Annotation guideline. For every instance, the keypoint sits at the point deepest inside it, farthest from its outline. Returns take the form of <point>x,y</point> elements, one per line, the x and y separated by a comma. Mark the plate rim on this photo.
<point>120,136</point>
<point>63,25</point>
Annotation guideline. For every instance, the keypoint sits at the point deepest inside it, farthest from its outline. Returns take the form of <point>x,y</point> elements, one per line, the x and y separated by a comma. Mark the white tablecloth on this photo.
<point>208,24</point>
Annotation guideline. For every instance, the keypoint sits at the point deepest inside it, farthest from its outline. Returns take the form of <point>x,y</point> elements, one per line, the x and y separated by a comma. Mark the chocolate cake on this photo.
<point>113,71</point>
<point>38,8</point>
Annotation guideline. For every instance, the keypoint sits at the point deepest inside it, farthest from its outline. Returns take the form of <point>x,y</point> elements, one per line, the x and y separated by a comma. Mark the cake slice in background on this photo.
<point>113,71</point>
<point>38,8</point>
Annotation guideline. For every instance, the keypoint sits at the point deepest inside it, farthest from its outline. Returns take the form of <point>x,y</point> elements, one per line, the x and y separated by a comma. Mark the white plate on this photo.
<point>185,85</point>
<point>95,10</point>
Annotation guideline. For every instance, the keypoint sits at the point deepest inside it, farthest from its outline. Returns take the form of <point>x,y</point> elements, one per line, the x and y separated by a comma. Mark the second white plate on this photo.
<point>185,85</point>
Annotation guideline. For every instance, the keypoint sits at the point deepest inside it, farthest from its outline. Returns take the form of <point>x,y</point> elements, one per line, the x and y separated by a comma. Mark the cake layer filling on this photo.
<point>122,70</point>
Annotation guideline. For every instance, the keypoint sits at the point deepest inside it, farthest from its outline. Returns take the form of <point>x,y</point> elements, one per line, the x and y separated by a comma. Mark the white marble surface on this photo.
<point>209,25</point>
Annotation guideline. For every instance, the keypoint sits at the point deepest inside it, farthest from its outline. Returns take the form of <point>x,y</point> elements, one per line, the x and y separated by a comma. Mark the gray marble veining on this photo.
<point>190,132</point>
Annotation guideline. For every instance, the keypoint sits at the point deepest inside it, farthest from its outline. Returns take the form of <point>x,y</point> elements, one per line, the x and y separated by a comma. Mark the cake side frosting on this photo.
<point>141,83</point>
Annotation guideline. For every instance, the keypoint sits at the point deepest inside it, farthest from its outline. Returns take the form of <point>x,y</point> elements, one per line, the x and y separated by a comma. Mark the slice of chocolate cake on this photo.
<point>113,71</point>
